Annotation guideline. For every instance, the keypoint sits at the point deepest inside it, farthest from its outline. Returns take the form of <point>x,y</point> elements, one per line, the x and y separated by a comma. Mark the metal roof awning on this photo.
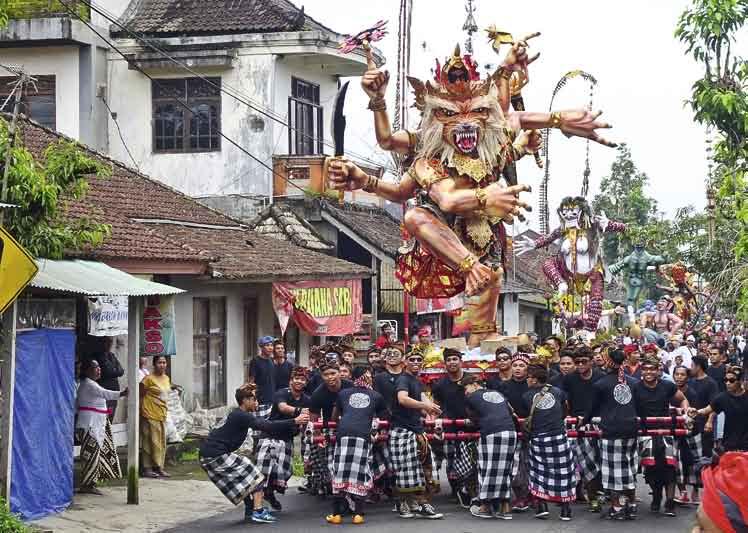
<point>94,279</point>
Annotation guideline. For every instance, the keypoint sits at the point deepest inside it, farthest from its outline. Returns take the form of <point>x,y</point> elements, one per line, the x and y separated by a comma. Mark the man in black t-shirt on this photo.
<point>235,475</point>
<point>449,393</point>
<point>353,478</point>
<point>283,366</point>
<point>274,454</point>
<point>498,440</point>
<point>552,476</point>
<point>705,389</point>
<point>657,454</point>
<point>409,448</point>
<point>579,394</point>
<point>262,374</point>
<point>734,404</point>
<point>384,382</point>
<point>614,402</point>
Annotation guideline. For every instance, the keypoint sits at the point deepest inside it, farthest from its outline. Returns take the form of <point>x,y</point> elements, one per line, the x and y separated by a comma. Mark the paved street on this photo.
<point>306,514</point>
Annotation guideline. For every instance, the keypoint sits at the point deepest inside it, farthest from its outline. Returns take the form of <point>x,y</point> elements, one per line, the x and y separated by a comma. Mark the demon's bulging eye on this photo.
<point>447,112</point>
<point>480,110</point>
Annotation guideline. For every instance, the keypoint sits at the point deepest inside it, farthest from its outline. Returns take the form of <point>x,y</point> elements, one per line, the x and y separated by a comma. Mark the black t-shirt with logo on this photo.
<point>403,417</point>
<point>615,404</point>
<point>655,401</point>
<point>513,391</point>
<point>550,414</point>
<point>492,410</point>
<point>357,407</point>
<point>450,395</point>
<point>384,384</point>
<point>736,420</point>
<point>263,372</point>
<point>579,391</point>
<point>323,399</point>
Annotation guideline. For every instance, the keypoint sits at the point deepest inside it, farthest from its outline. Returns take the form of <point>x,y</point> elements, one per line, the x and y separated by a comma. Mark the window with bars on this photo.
<point>37,101</point>
<point>209,351</point>
<point>177,130</point>
<point>305,114</point>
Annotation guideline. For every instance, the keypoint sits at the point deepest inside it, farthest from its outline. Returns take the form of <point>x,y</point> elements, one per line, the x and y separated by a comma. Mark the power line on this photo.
<point>175,98</point>
<point>242,98</point>
<point>119,131</point>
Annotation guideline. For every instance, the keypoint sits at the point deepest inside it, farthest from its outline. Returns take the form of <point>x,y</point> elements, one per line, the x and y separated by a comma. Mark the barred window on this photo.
<point>175,129</point>
<point>37,100</point>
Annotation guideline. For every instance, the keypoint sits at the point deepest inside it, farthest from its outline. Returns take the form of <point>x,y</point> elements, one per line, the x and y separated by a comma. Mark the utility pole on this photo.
<point>18,91</point>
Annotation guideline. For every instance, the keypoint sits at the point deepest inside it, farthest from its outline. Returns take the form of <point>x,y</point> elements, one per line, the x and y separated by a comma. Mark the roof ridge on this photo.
<point>360,208</point>
<point>29,121</point>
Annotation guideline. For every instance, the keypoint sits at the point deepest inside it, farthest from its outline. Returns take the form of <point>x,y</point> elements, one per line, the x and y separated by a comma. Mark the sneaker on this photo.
<point>632,511</point>
<point>263,516</point>
<point>669,508</point>
<point>335,519</point>
<point>503,516</point>
<point>480,512</point>
<point>520,506</point>
<point>273,501</point>
<point>614,514</point>
<point>358,519</point>
<point>655,507</point>
<point>404,511</point>
<point>426,510</point>
<point>565,512</point>
<point>683,499</point>
<point>463,498</point>
<point>542,510</point>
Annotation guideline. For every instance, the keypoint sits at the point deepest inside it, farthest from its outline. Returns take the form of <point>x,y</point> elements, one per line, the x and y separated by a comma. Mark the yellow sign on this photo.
<point>17,269</point>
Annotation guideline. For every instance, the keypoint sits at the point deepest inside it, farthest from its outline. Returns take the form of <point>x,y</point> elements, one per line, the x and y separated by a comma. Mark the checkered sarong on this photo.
<point>381,463</point>
<point>495,460</point>
<point>649,445</point>
<point>263,410</point>
<point>320,461</point>
<point>689,450</point>
<point>587,457</point>
<point>412,461</point>
<point>618,463</point>
<point>351,467</point>
<point>552,471</point>
<point>461,459</point>
<point>234,475</point>
<point>274,461</point>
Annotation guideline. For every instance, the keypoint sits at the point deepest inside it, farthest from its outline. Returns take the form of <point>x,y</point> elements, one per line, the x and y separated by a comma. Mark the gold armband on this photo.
<point>466,264</point>
<point>556,119</point>
<point>481,197</point>
<point>372,183</point>
<point>378,103</point>
<point>412,141</point>
<point>505,73</point>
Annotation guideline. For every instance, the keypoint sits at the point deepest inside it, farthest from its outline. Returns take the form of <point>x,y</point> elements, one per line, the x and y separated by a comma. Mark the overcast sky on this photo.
<point>644,79</point>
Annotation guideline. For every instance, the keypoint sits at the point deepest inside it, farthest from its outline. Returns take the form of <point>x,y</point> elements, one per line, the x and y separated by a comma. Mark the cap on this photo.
<point>267,339</point>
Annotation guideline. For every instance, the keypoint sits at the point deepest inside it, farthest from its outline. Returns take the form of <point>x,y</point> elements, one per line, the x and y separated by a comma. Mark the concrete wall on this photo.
<point>62,62</point>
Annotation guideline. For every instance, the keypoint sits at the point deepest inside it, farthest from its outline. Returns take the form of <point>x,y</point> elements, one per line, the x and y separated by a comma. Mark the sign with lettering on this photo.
<point>107,316</point>
<point>320,307</point>
<point>158,335</point>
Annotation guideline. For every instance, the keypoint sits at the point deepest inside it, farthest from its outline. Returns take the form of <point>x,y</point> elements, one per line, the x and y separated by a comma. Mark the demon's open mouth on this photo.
<point>466,139</point>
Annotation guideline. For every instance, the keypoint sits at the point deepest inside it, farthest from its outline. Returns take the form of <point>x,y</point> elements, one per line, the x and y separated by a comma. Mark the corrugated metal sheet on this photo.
<point>94,279</point>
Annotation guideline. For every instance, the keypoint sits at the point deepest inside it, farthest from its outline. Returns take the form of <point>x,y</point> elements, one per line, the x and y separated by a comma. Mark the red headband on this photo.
<point>725,496</point>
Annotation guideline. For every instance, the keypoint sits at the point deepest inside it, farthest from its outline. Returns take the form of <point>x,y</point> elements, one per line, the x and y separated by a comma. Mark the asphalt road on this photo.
<point>305,514</point>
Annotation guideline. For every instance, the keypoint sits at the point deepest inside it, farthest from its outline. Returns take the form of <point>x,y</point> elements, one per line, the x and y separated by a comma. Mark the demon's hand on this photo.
<point>528,142</point>
<point>517,58</point>
<point>504,202</point>
<point>523,244</point>
<point>342,175</point>
<point>374,82</point>
<point>583,123</point>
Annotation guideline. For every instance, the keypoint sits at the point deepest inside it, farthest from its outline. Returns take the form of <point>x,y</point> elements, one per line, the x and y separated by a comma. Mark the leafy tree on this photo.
<point>622,198</point>
<point>719,101</point>
<point>39,189</point>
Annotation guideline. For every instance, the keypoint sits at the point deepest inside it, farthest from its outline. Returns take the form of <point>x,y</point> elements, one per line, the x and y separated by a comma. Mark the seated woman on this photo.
<point>93,429</point>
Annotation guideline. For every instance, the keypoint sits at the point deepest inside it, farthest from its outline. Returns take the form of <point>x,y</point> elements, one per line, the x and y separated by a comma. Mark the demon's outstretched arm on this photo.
<point>347,176</point>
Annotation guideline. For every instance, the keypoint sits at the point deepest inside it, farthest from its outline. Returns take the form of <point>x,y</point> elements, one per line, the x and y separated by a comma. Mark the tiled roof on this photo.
<point>179,17</point>
<point>246,255</point>
<point>282,223</point>
<point>373,224</point>
<point>151,221</point>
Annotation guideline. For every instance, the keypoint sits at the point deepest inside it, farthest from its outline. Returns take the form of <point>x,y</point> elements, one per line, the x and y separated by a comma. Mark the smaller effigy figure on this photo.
<point>636,264</point>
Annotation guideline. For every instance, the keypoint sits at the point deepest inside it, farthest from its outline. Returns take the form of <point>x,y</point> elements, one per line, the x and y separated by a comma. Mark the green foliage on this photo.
<point>21,9</point>
<point>297,466</point>
<point>719,101</point>
<point>39,189</point>
<point>10,523</point>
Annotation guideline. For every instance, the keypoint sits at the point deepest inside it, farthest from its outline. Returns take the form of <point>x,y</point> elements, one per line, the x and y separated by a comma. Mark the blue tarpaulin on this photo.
<point>42,470</point>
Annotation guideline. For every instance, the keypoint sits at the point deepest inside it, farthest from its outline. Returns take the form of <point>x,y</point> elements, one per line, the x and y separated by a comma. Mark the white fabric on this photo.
<point>93,395</point>
<point>142,373</point>
<point>685,352</point>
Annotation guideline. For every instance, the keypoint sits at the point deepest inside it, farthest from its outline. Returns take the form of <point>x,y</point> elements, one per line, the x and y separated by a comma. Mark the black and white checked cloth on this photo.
<point>689,450</point>
<point>587,456</point>
<point>552,473</point>
<point>495,460</point>
<point>381,463</point>
<point>618,463</point>
<point>405,462</point>
<point>263,410</point>
<point>352,467</point>
<point>234,475</point>
<point>461,459</point>
<point>320,459</point>
<point>274,461</point>
<point>648,446</point>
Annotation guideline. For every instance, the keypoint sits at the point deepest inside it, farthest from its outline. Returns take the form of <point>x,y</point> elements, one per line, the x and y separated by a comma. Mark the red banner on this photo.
<point>320,307</point>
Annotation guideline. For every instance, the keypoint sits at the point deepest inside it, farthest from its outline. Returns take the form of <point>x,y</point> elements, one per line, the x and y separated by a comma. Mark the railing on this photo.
<point>305,132</point>
<point>25,9</point>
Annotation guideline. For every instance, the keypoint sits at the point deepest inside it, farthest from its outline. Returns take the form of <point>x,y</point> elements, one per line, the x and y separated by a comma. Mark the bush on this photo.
<point>10,523</point>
